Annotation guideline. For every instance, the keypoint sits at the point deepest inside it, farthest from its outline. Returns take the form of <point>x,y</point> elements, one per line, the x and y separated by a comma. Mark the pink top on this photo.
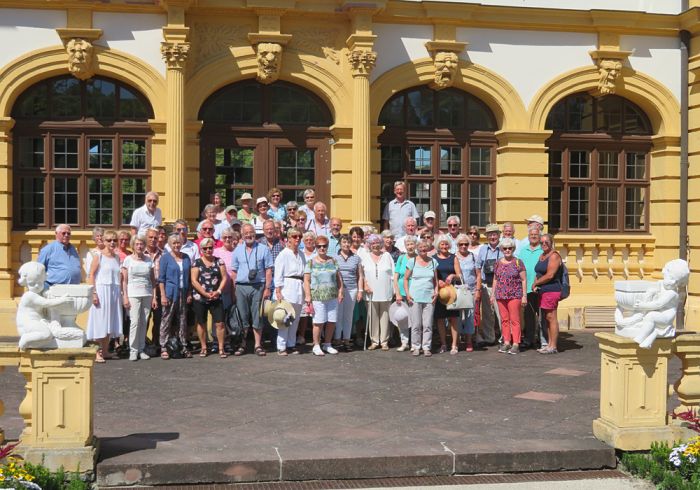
<point>225,255</point>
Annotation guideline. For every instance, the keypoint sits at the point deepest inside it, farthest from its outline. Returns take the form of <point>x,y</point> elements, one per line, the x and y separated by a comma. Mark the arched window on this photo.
<point>81,153</point>
<point>598,165</point>
<point>442,144</point>
<point>259,136</point>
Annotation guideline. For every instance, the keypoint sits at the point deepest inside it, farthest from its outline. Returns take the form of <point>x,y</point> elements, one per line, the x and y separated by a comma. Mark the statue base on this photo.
<point>71,459</point>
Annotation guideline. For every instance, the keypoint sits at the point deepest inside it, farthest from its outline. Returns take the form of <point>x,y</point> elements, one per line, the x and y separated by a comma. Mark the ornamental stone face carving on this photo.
<point>646,310</point>
<point>609,71</point>
<point>362,62</point>
<point>175,54</point>
<point>446,63</point>
<point>269,56</point>
<point>80,58</point>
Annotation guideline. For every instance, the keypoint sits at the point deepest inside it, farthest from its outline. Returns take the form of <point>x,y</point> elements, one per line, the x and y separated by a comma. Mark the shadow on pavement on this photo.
<point>116,446</point>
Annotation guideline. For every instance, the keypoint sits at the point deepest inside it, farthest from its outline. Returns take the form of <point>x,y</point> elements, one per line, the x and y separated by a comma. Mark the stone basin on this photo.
<point>628,292</point>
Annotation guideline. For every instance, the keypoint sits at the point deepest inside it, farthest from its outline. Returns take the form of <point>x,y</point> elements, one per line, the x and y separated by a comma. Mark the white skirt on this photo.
<point>105,319</point>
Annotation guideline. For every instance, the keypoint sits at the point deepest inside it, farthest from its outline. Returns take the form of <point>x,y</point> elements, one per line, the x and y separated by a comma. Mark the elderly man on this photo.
<point>429,223</point>
<point>251,272</point>
<point>319,223</point>
<point>207,230</point>
<point>334,238</point>
<point>147,216</point>
<point>410,228</point>
<point>530,255</point>
<point>155,253</point>
<point>486,260</point>
<point>534,220</point>
<point>60,259</point>
<point>398,209</point>
<point>232,220</point>
<point>188,246</point>
<point>453,232</point>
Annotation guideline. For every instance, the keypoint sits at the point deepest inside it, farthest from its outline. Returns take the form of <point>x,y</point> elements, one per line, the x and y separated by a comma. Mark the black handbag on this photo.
<point>234,324</point>
<point>175,348</point>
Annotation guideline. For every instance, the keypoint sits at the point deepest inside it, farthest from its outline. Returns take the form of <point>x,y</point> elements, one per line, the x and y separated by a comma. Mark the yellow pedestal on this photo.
<point>687,348</point>
<point>57,409</point>
<point>633,393</point>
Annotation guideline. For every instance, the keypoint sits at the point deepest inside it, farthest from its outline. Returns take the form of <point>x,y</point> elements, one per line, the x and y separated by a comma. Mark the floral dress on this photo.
<point>209,277</point>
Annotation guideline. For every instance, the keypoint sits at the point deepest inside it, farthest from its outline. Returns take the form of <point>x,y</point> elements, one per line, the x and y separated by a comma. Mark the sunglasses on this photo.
<point>207,229</point>
<point>226,237</point>
<point>65,233</point>
<point>152,200</point>
<point>180,229</point>
<point>452,226</point>
<point>276,195</point>
<point>463,244</point>
<point>111,240</point>
<point>507,248</point>
<point>473,233</point>
<point>207,248</point>
<point>325,246</point>
<point>297,237</point>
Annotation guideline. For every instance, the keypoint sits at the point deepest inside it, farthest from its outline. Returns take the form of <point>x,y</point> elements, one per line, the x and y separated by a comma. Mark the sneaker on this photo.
<point>373,347</point>
<point>385,347</point>
<point>416,352</point>
<point>504,348</point>
<point>330,349</point>
<point>134,356</point>
<point>301,340</point>
<point>403,348</point>
<point>515,349</point>
<point>427,353</point>
<point>144,356</point>
<point>317,350</point>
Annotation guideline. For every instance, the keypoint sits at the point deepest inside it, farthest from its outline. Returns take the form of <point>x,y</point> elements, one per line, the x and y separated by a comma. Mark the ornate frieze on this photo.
<point>211,40</point>
<point>320,42</point>
<point>175,54</point>
<point>362,61</point>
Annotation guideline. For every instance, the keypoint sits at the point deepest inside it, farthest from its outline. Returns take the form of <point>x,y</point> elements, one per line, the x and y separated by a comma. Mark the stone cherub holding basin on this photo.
<point>33,324</point>
<point>646,310</point>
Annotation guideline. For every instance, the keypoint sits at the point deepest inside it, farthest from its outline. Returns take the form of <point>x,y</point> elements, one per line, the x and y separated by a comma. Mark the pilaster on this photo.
<point>693,302</point>
<point>6,273</point>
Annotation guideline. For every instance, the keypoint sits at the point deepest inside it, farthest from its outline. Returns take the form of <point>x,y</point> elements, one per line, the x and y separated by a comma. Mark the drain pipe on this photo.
<point>683,228</point>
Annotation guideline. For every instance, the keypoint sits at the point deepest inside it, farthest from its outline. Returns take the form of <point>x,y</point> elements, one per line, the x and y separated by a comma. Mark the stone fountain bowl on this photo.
<point>628,292</point>
<point>80,293</point>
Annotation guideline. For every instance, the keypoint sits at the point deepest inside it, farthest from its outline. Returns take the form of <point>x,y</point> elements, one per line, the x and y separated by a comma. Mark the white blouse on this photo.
<point>287,264</point>
<point>379,275</point>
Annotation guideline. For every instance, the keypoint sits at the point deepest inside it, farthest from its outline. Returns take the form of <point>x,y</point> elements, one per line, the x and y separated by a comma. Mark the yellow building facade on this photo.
<point>477,107</point>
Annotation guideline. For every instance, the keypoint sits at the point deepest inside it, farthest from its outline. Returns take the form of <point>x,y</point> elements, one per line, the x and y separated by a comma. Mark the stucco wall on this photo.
<point>658,57</point>
<point>651,6</point>
<point>22,31</point>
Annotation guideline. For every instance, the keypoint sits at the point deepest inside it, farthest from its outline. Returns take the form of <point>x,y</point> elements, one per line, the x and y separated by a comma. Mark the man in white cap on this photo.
<point>429,223</point>
<point>534,220</point>
<point>486,260</point>
<point>397,210</point>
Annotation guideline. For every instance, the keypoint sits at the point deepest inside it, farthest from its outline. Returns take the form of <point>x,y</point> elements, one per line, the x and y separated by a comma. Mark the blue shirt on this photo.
<point>242,261</point>
<point>61,262</point>
<point>333,245</point>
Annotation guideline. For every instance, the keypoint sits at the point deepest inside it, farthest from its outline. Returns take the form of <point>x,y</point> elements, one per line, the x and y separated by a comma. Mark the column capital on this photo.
<point>175,54</point>
<point>362,62</point>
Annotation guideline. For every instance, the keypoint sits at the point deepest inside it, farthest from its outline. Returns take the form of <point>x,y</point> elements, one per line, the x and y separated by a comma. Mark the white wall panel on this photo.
<point>652,6</point>
<point>658,57</point>
<point>23,30</point>
<point>397,44</point>
<point>137,34</point>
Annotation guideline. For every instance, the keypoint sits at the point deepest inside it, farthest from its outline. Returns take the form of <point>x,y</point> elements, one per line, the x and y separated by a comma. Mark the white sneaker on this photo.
<point>144,356</point>
<point>330,349</point>
<point>403,348</point>
<point>317,350</point>
<point>134,356</point>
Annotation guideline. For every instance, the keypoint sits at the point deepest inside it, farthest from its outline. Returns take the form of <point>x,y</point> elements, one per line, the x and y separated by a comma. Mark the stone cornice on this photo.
<point>451,46</point>
<point>68,33</point>
<point>269,37</point>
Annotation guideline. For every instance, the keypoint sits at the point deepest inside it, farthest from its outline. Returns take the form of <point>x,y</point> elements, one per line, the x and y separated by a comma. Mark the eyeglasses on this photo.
<point>473,233</point>
<point>452,225</point>
<point>463,244</point>
<point>225,237</point>
<point>324,246</point>
<point>152,200</point>
<point>110,240</point>
<point>276,195</point>
<point>507,248</point>
<point>65,233</point>
<point>297,237</point>
<point>207,248</point>
<point>207,229</point>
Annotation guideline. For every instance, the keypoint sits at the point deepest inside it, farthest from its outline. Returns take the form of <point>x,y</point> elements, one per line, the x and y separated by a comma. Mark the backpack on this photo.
<point>234,324</point>
<point>174,348</point>
<point>565,284</point>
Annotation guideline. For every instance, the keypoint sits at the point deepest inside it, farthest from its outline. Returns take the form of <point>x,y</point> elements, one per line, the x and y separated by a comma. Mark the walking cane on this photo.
<point>368,319</point>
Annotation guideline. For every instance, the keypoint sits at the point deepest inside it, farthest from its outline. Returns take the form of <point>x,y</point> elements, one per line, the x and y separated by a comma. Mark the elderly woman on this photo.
<point>245,213</point>
<point>289,286</point>
<point>379,270</point>
<point>308,249</point>
<point>548,285</point>
<point>105,315</point>
<point>388,239</point>
<point>262,206</point>
<point>309,202</point>
<point>301,225</point>
<point>430,236</point>
<point>449,272</point>
<point>175,293</point>
<point>290,219</point>
<point>509,283</point>
<point>359,315</point>
<point>421,286</point>
<point>123,242</point>
<point>323,290</point>
<point>276,211</point>
<point>138,291</point>
<point>209,278</point>
<point>399,289</point>
<point>351,273</point>
<point>474,240</point>
<point>210,215</point>
<point>97,237</point>
<point>472,278</point>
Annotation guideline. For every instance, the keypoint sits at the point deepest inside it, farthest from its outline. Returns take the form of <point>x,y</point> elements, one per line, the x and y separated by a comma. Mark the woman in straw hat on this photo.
<point>421,286</point>
<point>449,272</point>
<point>246,214</point>
<point>323,290</point>
<point>289,282</point>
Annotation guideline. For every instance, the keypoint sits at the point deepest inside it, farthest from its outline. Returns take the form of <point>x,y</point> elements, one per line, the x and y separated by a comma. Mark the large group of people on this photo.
<point>366,288</point>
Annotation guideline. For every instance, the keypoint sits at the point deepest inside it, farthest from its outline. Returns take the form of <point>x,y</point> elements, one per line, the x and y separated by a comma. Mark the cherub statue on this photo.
<point>655,309</point>
<point>35,329</point>
<point>269,61</point>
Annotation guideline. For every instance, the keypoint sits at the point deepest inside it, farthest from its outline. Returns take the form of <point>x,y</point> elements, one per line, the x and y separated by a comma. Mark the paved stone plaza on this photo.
<point>363,414</point>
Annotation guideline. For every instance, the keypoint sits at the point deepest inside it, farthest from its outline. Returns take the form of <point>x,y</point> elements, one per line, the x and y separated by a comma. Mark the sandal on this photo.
<point>470,348</point>
<point>99,359</point>
<point>164,355</point>
<point>454,351</point>
<point>282,353</point>
<point>443,349</point>
<point>203,353</point>
<point>223,355</point>
<point>240,351</point>
<point>187,354</point>
<point>260,351</point>
<point>548,351</point>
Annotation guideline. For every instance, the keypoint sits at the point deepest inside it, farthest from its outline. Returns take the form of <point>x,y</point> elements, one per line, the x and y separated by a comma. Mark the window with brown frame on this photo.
<point>81,153</point>
<point>442,144</point>
<point>598,165</point>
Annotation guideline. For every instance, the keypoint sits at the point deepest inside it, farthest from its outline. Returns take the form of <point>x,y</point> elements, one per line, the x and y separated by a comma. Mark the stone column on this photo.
<point>175,55</point>
<point>362,61</point>
<point>687,347</point>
